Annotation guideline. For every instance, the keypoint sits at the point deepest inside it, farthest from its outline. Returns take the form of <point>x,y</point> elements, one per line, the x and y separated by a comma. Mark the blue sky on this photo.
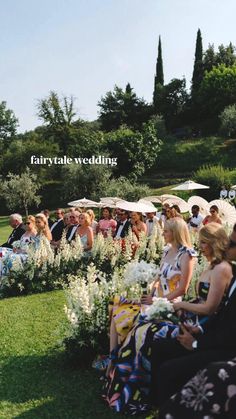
<point>84,47</point>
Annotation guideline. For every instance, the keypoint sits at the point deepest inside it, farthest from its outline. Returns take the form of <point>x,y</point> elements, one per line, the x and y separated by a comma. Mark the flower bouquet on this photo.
<point>140,273</point>
<point>161,309</point>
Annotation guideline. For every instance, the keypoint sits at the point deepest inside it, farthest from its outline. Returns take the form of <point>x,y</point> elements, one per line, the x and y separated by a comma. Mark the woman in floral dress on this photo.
<point>210,394</point>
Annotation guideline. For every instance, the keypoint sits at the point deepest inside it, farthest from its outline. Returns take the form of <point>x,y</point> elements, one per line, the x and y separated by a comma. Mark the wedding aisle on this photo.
<point>36,380</point>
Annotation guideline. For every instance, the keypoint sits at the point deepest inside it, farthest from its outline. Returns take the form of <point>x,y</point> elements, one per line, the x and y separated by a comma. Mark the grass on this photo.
<point>37,380</point>
<point>5,229</point>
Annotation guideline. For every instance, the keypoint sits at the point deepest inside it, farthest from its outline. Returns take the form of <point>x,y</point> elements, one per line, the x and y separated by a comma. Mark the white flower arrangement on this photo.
<point>142,273</point>
<point>161,308</point>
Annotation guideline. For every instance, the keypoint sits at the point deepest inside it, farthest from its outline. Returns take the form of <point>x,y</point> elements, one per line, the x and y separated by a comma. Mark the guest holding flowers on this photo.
<point>129,384</point>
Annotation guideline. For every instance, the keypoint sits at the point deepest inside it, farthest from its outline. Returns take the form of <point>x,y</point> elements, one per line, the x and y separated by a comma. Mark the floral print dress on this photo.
<point>210,394</point>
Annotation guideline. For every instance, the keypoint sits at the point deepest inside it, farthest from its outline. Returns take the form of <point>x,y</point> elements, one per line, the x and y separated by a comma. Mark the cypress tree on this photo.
<point>159,77</point>
<point>198,70</point>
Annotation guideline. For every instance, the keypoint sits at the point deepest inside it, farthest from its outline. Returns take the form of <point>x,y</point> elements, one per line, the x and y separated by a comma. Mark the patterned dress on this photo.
<point>210,394</point>
<point>127,389</point>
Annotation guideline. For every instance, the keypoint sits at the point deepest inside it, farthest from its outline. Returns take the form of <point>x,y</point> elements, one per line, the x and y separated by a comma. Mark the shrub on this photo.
<point>215,177</point>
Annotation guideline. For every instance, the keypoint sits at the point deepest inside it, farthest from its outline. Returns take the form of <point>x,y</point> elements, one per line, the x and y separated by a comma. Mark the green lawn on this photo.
<point>37,381</point>
<point>5,229</point>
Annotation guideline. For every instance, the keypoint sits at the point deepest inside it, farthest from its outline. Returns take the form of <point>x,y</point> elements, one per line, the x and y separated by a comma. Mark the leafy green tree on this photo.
<point>85,181</point>
<point>214,176</point>
<point>228,120</point>
<point>198,64</point>
<point>218,90</point>
<point>171,101</point>
<point>123,108</point>
<point>135,151</point>
<point>8,124</point>
<point>58,116</point>
<point>20,191</point>
<point>125,189</point>
<point>225,55</point>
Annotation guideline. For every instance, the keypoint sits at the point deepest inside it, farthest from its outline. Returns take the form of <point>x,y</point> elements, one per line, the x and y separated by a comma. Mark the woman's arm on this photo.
<point>186,265</point>
<point>89,238</point>
<point>220,276</point>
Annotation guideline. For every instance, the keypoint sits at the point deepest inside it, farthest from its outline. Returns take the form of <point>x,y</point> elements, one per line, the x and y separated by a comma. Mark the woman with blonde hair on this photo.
<point>42,226</point>
<point>85,231</point>
<point>94,223</point>
<point>136,336</point>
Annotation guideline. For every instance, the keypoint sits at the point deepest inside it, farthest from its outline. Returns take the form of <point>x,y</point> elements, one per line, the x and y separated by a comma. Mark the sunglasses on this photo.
<point>212,211</point>
<point>28,222</point>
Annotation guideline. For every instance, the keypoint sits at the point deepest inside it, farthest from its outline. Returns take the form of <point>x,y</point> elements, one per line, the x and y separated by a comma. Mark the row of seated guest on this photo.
<point>129,372</point>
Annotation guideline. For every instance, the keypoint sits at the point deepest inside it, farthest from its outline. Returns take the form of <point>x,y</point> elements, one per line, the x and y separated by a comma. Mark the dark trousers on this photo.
<point>172,366</point>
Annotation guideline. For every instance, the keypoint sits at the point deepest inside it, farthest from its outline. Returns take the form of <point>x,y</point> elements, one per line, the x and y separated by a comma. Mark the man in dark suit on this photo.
<point>175,361</point>
<point>16,223</point>
<point>57,227</point>
<point>74,220</point>
<point>123,225</point>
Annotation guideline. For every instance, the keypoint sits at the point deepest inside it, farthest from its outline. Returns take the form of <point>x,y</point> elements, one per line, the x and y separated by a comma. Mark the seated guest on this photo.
<point>133,357</point>
<point>66,221</point>
<point>211,393</point>
<point>57,227</point>
<point>46,212</point>
<point>151,220</point>
<point>175,362</point>
<point>123,225</point>
<point>92,219</point>
<point>175,211</point>
<point>106,224</point>
<point>16,223</point>
<point>27,237</point>
<point>42,226</point>
<point>85,232</point>
<point>74,223</point>
<point>138,226</point>
<point>136,350</point>
<point>196,220</point>
<point>214,217</point>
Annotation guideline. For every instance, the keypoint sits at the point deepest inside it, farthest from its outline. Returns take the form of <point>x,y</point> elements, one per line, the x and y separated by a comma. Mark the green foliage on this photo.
<point>228,121</point>
<point>170,102</point>
<point>135,151</point>
<point>198,64</point>
<point>159,77</point>
<point>37,379</point>
<point>20,191</point>
<point>215,177</point>
<point>123,108</point>
<point>225,55</point>
<point>8,124</point>
<point>84,181</point>
<point>57,115</point>
<point>123,188</point>
<point>218,90</point>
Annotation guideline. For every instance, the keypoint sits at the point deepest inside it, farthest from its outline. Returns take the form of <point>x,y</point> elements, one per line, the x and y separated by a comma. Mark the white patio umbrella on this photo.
<point>233,187</point>
<point>182,204</point>
<point>136,206</point>
<point>159,199</point>
<point>111,199</point>
<point>227,212</point>
<point>189,185</point>
<point>85,203</point>
<point>201,202</point>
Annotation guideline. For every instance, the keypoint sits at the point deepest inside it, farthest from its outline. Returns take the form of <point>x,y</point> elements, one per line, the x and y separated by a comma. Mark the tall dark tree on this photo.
<point>198,70</point>
<point>159,76</point>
